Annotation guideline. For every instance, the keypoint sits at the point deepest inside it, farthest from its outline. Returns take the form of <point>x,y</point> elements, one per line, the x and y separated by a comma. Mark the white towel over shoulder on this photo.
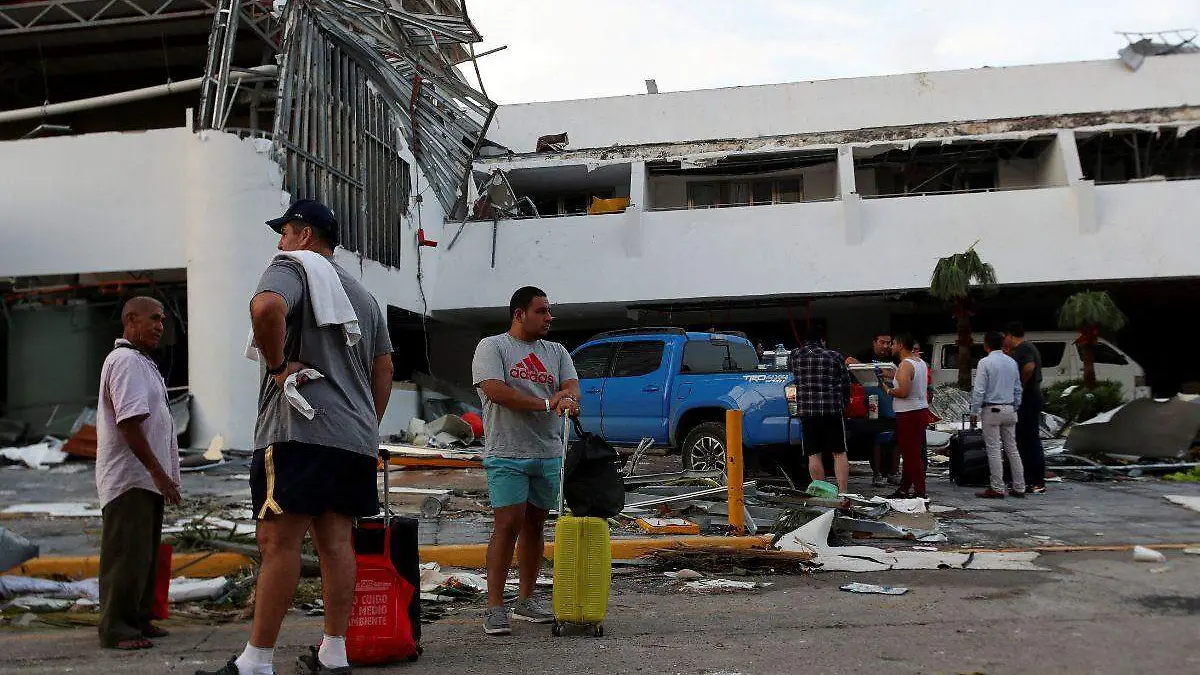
<point>331,306</point>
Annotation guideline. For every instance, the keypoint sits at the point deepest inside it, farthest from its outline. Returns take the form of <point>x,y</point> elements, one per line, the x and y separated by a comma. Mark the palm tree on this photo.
<point>1089,312</point>
<point>952,281</point>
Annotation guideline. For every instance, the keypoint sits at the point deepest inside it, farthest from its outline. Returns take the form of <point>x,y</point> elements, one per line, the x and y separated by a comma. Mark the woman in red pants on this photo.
<point>911,403</point>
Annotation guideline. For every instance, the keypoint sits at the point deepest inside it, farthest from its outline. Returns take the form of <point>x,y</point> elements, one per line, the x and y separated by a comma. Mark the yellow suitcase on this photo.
<point>582,572</point>
<point>582,564</point>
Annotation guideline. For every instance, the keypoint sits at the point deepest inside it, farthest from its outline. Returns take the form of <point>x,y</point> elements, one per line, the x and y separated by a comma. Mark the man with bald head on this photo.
<point>137,470</point>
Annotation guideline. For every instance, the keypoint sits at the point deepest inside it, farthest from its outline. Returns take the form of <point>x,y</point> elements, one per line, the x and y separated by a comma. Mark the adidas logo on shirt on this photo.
<point>531,368</point>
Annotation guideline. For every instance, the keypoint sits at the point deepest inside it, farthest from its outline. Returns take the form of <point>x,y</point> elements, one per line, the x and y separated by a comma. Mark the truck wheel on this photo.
<point>704,447</point>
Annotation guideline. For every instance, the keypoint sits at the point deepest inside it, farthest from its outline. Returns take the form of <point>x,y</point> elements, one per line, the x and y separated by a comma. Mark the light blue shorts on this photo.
<point>516,481</point>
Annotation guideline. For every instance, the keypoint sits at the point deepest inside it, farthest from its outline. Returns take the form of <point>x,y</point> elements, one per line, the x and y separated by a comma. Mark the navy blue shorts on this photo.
<point>308,479</point>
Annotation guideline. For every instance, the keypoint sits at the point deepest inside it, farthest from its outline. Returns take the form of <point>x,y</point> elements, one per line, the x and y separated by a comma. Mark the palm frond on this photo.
<point>954,275</point>
<point>1091,309</point>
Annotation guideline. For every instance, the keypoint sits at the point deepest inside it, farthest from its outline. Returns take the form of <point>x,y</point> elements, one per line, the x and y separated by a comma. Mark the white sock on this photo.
<point>332,653</point>
<point>256,661</point>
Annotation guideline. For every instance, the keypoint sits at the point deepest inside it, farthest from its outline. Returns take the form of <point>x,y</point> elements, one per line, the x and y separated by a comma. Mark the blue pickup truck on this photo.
<point>674,386</point>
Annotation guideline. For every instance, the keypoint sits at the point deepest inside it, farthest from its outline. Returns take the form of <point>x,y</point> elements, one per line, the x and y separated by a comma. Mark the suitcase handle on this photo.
<point>562,465</point>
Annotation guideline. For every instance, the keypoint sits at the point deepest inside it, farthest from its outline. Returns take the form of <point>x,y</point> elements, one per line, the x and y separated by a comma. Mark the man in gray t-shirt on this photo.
<point>526,385</point>
<point>312,474</point>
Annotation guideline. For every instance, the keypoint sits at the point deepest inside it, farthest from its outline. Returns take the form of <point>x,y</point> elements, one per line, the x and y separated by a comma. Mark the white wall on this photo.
<point>1051,167</point>
<point>93,203</point>
<point>1030,235</point>
<point>859,103</point>
<point>171,199</point>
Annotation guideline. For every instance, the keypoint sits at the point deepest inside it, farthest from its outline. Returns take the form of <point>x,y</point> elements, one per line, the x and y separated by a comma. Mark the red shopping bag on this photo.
<point>162,584</point>
<point>381,625</point>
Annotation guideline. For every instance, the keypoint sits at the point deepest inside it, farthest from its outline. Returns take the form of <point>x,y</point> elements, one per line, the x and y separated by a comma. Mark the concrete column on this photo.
<point>851,202</point>
<point>233,189</point>
<point>1083,192</point>
<point>1069,151</point>
<point>631,229</point>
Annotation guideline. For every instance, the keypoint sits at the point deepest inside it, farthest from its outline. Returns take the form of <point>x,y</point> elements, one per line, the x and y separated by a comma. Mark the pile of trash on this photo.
<point>1140,437</point>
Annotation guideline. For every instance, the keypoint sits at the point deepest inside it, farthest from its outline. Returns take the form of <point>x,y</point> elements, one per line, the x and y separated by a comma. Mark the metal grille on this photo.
<point>340,141</point>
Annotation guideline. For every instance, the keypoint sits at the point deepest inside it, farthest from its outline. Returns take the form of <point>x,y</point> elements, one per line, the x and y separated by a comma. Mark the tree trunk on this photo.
<point>964,346</point>
<point>1089,363</point>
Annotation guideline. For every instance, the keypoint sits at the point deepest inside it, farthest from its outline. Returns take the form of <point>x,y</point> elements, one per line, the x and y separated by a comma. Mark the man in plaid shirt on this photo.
<point>822,392</point>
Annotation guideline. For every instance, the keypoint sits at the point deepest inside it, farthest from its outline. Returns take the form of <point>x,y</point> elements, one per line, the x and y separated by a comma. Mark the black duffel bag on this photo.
<point>592,481</point>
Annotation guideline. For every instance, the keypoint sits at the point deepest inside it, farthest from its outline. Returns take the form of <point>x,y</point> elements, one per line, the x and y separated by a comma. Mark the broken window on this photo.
<point>743,180</point>
<point>959,166</point>
<point>553,191</point>
<point>1135,155</point>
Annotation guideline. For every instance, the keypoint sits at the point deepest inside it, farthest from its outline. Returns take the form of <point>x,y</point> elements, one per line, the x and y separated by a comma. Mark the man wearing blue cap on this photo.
<point>314,467</point>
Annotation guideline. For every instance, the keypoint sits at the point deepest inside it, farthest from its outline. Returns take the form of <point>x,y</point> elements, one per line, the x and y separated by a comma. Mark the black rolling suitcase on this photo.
<point>968,458</point>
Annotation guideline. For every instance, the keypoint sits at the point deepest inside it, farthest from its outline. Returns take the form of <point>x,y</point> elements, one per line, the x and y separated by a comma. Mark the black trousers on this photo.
<point>128,562</point>
<point>1029,437</point>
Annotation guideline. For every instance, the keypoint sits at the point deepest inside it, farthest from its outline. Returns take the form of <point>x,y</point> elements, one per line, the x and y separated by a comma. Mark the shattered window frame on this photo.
<point>951,166</point>
<point>1139,155</point>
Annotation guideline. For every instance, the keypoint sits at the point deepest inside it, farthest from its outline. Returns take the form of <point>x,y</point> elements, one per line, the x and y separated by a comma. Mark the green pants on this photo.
<point>128,563</point>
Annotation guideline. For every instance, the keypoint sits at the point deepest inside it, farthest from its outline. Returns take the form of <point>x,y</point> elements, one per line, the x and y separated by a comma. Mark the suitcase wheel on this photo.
<point>557,629</point>
<point>598,630</point>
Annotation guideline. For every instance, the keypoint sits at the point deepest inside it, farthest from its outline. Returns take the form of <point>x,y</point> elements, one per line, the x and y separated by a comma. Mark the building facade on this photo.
<point>758,207</point>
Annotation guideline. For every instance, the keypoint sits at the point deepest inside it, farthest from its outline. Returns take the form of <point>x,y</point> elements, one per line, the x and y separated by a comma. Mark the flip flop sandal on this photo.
<point>133,644</point>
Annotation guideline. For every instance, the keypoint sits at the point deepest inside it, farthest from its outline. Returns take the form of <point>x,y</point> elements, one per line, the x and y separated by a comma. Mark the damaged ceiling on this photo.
<point>338,58</point>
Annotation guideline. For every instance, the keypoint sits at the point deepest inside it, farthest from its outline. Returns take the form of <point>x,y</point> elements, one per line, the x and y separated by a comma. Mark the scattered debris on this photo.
<point>684,574</point>
<point>449,431</point>
<point>184,589</point>
<point>710,585</point>
<point>37,456</point>
<point>820,488</point>
<point>872,588</point>
<point>82,442</point>
<point>1195,550</point>
<point>813,537</point>
<point>411,456</point>
<point>1185,501</point>
<point>15,549</point>
<point>668,526</point>
<point>552,143</point>
<point>721,560</point>
<point>1141,428</point>
<point>12,586</point>
<point>1143,554</point>
<point>57,510</point>
<point>210,458</point>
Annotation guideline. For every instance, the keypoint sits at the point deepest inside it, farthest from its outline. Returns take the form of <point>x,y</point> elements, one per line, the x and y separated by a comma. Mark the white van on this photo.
<point>1061,361</point>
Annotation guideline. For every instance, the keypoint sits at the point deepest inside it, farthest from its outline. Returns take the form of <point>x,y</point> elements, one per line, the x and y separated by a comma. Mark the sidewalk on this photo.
<point>1094,613</point>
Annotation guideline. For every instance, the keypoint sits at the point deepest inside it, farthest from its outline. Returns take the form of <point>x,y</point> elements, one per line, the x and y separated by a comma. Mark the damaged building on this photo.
<point>142,145</point>
<point>769,208</point>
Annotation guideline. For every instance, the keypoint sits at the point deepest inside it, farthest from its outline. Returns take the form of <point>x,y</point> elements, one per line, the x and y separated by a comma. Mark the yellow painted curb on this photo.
<point>195,565</point>
<point>475,555</point>
<point>216,564</point>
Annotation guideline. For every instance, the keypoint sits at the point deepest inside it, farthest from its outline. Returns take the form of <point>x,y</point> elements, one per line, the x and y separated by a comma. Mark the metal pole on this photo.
<point>734,470</point>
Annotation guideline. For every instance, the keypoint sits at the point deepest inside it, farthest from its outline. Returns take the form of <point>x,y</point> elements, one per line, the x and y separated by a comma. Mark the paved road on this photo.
<point>1091,613</point>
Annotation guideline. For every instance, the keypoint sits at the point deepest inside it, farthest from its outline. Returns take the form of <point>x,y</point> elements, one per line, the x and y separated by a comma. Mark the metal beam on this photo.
<point>42,16</point>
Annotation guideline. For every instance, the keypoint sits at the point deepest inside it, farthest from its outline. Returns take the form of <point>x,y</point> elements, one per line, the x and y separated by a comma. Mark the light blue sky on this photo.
<point>564,49</point>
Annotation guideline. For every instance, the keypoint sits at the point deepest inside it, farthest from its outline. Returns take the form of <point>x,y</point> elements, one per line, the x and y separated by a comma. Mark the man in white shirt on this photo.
<point>994,401</point>
<point>137,471</point>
